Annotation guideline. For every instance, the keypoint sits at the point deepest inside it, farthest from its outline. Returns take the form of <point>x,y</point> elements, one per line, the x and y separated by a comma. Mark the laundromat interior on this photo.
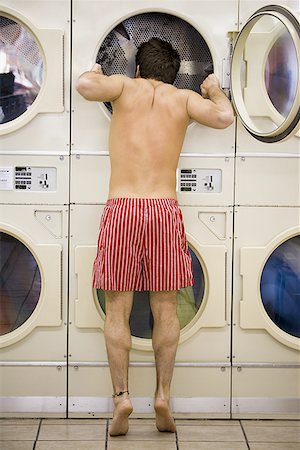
<point>238,189</point>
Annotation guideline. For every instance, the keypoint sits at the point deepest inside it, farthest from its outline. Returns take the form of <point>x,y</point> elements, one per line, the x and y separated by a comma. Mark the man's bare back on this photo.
<point>148,126</point>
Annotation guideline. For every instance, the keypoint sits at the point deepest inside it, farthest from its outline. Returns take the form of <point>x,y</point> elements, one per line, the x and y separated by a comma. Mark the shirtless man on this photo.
<point>142,244</point>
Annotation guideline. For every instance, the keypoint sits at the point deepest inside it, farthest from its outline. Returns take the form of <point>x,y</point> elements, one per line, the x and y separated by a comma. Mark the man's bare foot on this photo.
<point>164,418</point>
<point>122,411</point>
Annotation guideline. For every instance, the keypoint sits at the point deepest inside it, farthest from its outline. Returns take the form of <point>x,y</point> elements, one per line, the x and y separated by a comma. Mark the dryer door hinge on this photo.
<point>232,35</point>
<point>226,63</point>
<point>226,73</point>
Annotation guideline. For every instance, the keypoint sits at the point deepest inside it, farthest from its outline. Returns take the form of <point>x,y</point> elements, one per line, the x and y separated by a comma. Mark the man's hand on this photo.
<point>97,68</point>
<point>210,82</point>
<point>95,86</point>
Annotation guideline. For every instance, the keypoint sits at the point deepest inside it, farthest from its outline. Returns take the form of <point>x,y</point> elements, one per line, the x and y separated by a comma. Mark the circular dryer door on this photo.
<point>280,286</point>
<point>117,51</point>
<point>265,74</point>
<point>20,283</point>
<point>21,69</point>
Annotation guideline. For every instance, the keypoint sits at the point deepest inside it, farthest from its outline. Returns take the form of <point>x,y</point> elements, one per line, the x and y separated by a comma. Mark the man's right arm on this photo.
<point>95,86</point>
<point>213,108</point>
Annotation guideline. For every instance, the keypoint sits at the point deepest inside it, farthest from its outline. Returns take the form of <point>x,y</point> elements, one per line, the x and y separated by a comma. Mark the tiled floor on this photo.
<point>92,434</point>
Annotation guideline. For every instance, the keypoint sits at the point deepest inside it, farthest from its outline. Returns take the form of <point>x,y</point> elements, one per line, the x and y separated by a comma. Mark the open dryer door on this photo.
<point>265,74</point>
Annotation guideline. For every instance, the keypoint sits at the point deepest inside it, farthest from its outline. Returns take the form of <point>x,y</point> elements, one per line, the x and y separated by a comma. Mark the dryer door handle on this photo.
<point>86,313</point>
<point>50,304</point>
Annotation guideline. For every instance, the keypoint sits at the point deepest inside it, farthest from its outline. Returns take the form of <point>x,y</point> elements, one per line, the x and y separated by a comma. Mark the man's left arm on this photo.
<point>96,86</point>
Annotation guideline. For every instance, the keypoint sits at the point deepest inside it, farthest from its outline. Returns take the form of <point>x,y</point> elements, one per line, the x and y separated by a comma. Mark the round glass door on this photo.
<point>280,286</point>
<point>20,283</point>
<point>265,74</point>
<point>21,69</point>
<point>189,301</point>
<point>117,52</point>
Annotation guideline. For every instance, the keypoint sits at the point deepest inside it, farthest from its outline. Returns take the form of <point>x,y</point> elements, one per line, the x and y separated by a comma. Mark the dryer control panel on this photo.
<point>199,180</point>
<point>35,178</point>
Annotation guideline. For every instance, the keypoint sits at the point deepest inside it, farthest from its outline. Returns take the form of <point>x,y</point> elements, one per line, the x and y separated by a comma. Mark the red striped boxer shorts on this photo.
<point>142,246</point>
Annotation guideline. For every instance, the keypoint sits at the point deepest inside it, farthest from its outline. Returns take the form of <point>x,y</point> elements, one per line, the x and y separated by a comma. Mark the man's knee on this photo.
<point>163,304</point>
<point>118,304</point>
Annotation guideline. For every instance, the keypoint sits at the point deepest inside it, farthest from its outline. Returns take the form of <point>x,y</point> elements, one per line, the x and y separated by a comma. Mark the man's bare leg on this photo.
<point>165,338</point>
<point>118,306</point>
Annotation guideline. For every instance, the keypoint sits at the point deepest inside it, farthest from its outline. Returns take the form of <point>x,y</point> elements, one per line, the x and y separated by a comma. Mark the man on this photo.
<point>142,244</point>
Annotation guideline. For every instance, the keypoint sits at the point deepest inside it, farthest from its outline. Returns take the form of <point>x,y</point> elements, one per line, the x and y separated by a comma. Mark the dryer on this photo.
<point>204,310</point>
<point>33,268</point>
<point>266,330</point>
<point>266,289</point>
<point>112,39</point>
<point>34,168</point>
<point>34,74</point>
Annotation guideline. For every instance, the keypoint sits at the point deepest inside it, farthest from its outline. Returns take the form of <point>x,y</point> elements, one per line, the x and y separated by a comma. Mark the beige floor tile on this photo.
<point>144,433</point>
<point>272,434</point>
<point>72,432</point>
<point>149,421</point>
<point>16,445</point>
<point>208,422</point>
<point>70,445</point>
<point>138,445</point>
<point>273,446</point>
<point>271,423</point>
<point>18,432</point>
<point>19,422</point>
<point>213,446</point>
<point>210,433</point>
<point>74,421</point>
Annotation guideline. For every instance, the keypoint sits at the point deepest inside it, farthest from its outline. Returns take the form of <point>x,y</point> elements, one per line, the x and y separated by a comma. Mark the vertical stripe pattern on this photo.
<point>142,246</point>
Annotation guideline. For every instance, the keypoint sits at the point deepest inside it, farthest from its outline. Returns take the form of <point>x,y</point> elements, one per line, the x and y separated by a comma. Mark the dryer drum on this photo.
<point>117,52</point>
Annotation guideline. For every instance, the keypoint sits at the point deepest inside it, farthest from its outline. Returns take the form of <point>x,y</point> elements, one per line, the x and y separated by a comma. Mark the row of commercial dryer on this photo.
<point>238,189</point>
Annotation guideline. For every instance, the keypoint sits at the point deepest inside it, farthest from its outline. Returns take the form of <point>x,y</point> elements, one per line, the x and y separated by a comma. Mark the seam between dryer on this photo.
<point>231,356</point>
<point>67,324</point>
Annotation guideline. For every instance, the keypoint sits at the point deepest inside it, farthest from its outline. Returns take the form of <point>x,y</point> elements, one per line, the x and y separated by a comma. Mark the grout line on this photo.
<point>106,434</point>
<point>244,433</point>
<point>177,443</point>
<point>37,434</point>
<point>176,436</point>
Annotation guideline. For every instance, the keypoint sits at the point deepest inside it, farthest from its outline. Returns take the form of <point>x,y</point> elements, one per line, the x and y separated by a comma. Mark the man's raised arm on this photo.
<point>213,109</point>
<point>94,85</point>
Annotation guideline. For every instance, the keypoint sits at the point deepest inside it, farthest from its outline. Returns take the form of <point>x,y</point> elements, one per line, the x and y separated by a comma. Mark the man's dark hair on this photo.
<point>158,60</point>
